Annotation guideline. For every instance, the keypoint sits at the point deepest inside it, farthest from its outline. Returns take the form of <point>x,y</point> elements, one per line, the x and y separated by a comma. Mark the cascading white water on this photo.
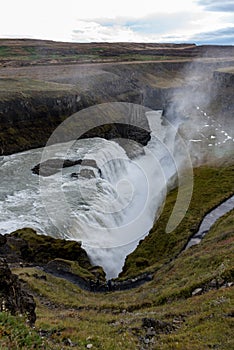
<point>109,212</point>
<point>149,175</point>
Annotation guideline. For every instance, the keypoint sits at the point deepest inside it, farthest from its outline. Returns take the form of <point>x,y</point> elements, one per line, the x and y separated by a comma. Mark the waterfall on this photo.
<point>148,175</point>
<point>114,200</point>
<point>110,211</point>
<point>140,186</point>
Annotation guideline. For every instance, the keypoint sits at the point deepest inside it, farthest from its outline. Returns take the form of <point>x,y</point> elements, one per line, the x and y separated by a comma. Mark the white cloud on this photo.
<point>177,27</point>
<point>92,31</point>
<point>217,5</point>
<point>103,20</point>
<point>32,19</point>
<point>223,36</point>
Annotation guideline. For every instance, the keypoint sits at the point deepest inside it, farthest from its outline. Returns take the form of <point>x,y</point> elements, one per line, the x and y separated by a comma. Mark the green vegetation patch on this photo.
<point>25,85</point>
<point>4,51</point>
<point>15,334</point>
<point>212,185</point>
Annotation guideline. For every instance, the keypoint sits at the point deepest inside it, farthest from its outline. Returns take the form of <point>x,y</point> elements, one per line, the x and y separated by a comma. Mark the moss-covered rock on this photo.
<point>40,249</point>
<point>67,259</point>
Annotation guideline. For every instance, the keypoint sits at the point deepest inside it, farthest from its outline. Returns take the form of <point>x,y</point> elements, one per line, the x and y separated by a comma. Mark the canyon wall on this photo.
<point>30,111</point>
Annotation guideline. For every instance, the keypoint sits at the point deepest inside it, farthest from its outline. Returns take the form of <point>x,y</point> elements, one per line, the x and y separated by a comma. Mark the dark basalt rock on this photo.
<point>40,249</point>
<point>12,297</point>
<point>75,175</point>
<point>157,325</point>
<point>52,166</point>
<point>119,130</point>
<point>87,173</point>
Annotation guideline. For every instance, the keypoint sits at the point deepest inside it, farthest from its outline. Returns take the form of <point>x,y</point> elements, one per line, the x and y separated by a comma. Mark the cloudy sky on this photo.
<point>199,21</point>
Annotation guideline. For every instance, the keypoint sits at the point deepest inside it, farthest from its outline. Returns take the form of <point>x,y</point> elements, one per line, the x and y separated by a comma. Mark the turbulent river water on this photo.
<point>110,210</point>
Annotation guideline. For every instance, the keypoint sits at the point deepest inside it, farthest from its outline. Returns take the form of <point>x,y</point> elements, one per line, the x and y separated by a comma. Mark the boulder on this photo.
<point>197,291</point>
<point>89,162</point>
<point>157,326</point>
<point>86,173</point>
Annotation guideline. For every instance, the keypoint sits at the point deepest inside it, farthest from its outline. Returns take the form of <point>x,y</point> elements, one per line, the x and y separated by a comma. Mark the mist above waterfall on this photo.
<point>201,107</point>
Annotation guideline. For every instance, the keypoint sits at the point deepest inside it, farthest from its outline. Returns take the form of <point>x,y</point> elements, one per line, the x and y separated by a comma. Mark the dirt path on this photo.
<point>34,70</point>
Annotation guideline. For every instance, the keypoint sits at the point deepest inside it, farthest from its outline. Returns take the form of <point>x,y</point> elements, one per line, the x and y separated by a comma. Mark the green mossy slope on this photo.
<point>212,185</point>
<point>180,318</point>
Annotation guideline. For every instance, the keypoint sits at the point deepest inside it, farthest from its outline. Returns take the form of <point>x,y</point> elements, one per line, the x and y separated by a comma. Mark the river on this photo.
<point>110,210</point>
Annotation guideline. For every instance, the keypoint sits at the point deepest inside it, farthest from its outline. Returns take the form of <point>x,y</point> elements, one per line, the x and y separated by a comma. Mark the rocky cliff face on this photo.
<point>34,100</point>
<point>25,247</point>
<point>27,122</point>
<point>224,77</point>
<point>12,296</point>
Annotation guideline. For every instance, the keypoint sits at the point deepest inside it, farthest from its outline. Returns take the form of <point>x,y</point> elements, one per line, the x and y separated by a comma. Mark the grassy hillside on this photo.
<point>211,186</point>
<point>26,51</point>
<point>189,304</point>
